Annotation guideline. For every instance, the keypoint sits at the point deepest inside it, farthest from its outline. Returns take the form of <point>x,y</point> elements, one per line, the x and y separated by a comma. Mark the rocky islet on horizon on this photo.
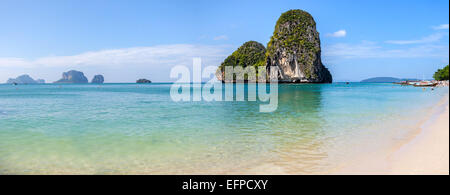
<point>73,76</point>
<point>70,77</point>
<point>25,79</point>
<point>143,81</point>
<point>78,77</point>
<point>98,79</point>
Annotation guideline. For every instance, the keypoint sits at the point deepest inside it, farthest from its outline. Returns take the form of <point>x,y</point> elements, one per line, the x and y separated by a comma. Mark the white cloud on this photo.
<point>429,39</point>
<point>221,37</point>
<point>441,27</point>
<point>371,50</point>
<point>337,34</point>
<point>156,60</point>
<point>13,62</point>
<point>165,54</point>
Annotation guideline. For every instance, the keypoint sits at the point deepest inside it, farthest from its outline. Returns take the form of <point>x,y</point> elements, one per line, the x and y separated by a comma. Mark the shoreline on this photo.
<point>420,147</point>
<point>424,152</point>
<point>428,152</point>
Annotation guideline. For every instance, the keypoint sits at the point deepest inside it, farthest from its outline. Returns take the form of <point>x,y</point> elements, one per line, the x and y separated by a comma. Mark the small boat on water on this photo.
<point>425,84</point>
<point>402,83</point>
<point>408,82</point>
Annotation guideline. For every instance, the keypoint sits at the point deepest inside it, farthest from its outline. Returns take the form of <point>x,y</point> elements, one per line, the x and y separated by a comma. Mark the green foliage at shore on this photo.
<point>441,74</point>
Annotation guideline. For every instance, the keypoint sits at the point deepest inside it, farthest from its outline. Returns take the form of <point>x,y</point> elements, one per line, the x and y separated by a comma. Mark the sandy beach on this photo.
<point>324,133</point>
<point>425,152</point>
<point>428,152</point>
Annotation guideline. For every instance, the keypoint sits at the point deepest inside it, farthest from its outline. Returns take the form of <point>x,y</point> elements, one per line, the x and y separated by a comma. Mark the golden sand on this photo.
<point>426,152</point>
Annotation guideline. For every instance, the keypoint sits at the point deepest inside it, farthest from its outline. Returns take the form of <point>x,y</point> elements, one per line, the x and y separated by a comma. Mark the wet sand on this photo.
<point>426,152</point>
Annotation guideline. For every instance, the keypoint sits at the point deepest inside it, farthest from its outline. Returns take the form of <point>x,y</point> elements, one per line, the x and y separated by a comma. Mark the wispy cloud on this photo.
<point>371,50</point>
<point>337,34</point>
<point>441,27</point>
<point>162,54</point>
<point>429,39</point>
<point>221,37</point>
<point>149,59</point>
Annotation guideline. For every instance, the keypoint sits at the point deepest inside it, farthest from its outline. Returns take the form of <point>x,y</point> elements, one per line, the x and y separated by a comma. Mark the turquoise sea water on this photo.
<point>138,129</point>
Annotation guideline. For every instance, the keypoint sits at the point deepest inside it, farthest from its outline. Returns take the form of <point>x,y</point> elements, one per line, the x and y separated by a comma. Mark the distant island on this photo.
<point>143,81</point>
<point>98,79</point>
<point>77,77</point>
<point>385,80</point>
<point>73,76</point>
<point>24,79</point>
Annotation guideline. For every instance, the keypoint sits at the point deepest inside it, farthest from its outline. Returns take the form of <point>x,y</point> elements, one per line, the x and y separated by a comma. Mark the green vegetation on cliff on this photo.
<point>294,49</point>
<point>250,53</point>
<point>291,30</point>
<point>441,74</point>
<point>296,42</point>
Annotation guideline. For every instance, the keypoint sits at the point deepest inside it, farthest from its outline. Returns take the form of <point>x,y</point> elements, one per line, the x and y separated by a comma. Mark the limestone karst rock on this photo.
<point>98,79</point>
<point>250,53</point>
<point>295,49</point>
<point>293,52</point>
<point>73,76</point>
<point>143,81</point>
<point>24,79</point>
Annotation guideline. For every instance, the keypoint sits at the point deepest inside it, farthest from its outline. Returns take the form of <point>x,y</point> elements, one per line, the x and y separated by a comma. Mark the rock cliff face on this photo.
<point>295,49</point>
<point>98,79</point>
<point>73,76</point>
<point>250,53</point>
<point>24,79</point>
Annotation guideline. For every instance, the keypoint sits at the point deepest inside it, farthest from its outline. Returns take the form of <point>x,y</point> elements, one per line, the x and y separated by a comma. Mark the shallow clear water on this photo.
<point>138,129</point>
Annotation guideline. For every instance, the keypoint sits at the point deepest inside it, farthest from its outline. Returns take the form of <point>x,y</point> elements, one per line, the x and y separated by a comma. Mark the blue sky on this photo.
<point>127,40</point>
